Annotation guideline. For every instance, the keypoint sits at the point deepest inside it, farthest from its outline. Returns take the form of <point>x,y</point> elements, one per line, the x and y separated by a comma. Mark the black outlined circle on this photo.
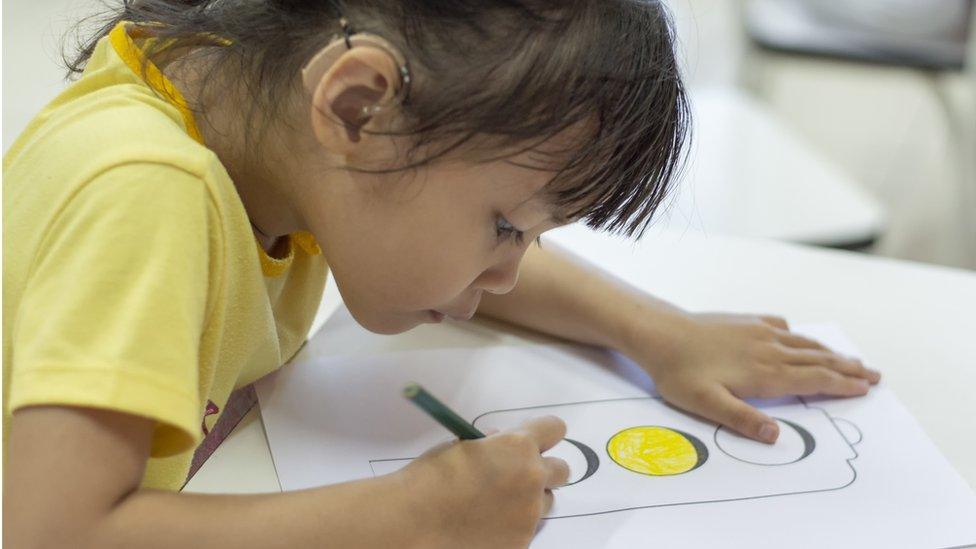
<point>592,461</point>
<point>809,444</point>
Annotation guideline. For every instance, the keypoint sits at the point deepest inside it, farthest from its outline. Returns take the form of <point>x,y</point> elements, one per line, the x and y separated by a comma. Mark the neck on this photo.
<point>264,170</point>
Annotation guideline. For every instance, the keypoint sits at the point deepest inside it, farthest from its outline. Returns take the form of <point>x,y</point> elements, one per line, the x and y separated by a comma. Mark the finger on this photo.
<point>546,431</point>
<point>812,380</point>
<point>723,407</point>
<point>490,431</point>
<point>558,471</point>
<point>776,321</point>
<point>827,359</point>
<point>800,342</point>
<point>547,499</point>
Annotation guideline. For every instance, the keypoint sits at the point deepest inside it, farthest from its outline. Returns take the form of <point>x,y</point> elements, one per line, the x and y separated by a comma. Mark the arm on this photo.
<point>704,363</point>
<point>563,295</point>
<point>73,474</point>
<point>73,480</point>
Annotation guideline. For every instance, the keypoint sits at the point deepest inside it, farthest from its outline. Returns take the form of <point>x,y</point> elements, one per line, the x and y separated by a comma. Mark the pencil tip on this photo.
<point>411,390</point>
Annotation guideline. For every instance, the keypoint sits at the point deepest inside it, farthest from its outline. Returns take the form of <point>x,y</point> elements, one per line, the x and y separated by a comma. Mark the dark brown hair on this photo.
<point>518,71</point>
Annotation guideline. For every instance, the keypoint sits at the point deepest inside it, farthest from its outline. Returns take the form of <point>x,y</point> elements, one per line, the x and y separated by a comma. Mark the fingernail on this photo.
<point>876,375</point>
<point>767,432</point>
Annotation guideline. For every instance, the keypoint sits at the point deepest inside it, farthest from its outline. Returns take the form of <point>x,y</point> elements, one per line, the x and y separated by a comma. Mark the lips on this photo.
<point>458,316</point>
<point>461,314</point>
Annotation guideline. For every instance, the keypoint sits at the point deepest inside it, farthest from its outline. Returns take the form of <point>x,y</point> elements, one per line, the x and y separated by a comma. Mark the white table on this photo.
<point>916,323</point>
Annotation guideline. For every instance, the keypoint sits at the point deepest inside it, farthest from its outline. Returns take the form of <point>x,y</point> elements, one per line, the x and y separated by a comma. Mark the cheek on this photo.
<point>433,269</point>
<point>398,265</point>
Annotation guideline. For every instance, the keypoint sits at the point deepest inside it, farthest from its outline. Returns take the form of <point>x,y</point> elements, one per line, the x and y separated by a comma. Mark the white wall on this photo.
<point>907,136</point>
<point>32,72</point>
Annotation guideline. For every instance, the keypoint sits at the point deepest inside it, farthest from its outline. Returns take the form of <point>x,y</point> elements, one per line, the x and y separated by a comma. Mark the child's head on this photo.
<point>518,116</point>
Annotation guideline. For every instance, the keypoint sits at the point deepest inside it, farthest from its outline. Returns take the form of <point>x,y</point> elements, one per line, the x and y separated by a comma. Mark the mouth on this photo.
<point>439,315</point>
<point>468,313</point>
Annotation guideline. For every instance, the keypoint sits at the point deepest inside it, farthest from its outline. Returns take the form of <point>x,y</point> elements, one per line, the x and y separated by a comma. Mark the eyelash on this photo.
<point>506,231</point>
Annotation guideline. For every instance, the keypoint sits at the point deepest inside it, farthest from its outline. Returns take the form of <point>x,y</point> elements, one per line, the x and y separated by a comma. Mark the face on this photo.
<point>415,247</point>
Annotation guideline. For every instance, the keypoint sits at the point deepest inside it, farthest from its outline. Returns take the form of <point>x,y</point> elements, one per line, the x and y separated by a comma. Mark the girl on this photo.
<point>169,219</point>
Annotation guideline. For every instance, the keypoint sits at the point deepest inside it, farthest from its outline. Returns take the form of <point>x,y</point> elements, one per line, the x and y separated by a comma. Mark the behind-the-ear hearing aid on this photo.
<point>316,68</point>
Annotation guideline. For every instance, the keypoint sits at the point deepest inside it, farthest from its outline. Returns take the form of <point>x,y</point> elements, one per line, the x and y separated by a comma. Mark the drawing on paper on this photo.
<point>658,456</point>
<point>656,450</point>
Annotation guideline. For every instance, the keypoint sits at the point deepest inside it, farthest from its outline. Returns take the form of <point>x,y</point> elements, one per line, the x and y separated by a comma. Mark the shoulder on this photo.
<point>111,125</point>
<point>116,146</point>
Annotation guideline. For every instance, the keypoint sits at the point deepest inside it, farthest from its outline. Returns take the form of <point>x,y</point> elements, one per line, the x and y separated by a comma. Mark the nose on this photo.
<point>501,278</point>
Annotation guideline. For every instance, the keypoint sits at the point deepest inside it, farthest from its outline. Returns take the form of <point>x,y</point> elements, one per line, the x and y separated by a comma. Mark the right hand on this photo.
<point>488,492</point>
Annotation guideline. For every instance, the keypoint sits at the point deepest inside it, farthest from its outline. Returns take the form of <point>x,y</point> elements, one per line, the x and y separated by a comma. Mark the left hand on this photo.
<point>719,359</point>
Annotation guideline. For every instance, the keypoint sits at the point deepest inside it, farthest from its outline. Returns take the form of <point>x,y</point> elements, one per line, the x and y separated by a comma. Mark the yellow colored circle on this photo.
<point>652,450</point>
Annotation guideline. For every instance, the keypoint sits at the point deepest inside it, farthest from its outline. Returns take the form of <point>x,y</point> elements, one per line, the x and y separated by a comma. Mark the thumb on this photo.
<point>721,406</point>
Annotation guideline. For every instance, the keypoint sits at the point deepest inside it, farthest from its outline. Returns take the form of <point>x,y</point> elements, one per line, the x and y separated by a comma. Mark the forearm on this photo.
<point>72,480</point>
<point>368,513</point>
<point>563,295</point>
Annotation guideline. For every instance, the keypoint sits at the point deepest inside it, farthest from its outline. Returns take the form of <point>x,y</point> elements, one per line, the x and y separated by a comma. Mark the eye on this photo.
<point>507,232</point>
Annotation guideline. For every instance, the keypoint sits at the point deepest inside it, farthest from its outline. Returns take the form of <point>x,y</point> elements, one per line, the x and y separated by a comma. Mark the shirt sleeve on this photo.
<point>116,302</point>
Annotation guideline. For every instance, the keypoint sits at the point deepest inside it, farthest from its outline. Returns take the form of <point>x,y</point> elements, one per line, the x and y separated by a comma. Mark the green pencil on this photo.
<point>441,413</point>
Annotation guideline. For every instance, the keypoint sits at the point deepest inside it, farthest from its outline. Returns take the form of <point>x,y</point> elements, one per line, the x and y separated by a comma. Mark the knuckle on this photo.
<point>700,394</point>
<point>555,424</point>
<point>741,419</point>
<point>533,509</point>
<point>829,378</point>
<point>855,387</point>
<point>518,440</point>
<point>545,504</point>
<point>536,477</point>
<point>777,370</point>
<point>775,320</point>
<point>766,388</point>
<point>781,353</point>
<point>822,374</point>
<point>841,364</point>
<point>761,383</point>
<point>562,471</point>
<point>765,331</point>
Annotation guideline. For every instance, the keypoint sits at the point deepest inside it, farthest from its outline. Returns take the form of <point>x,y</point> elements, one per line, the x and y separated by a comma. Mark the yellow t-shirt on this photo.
<point>132,280</point>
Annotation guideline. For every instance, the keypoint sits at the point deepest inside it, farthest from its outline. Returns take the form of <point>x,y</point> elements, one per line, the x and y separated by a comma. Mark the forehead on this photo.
<point>525,190</point>
<point>553,152</point>
<point>536,164</point>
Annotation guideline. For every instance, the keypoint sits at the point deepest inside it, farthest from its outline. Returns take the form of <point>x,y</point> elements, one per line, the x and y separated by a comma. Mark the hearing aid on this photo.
<point>317,67</point>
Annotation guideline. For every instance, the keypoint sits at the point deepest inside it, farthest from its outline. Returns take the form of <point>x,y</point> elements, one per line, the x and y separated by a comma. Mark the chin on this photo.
<point>384,324</point>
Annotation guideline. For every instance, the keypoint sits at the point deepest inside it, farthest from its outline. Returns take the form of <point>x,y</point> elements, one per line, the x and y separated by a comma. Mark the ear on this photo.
<point>360,78</point>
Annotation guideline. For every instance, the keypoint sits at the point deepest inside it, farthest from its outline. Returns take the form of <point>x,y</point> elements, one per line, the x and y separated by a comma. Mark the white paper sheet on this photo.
<point>845,473</point>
